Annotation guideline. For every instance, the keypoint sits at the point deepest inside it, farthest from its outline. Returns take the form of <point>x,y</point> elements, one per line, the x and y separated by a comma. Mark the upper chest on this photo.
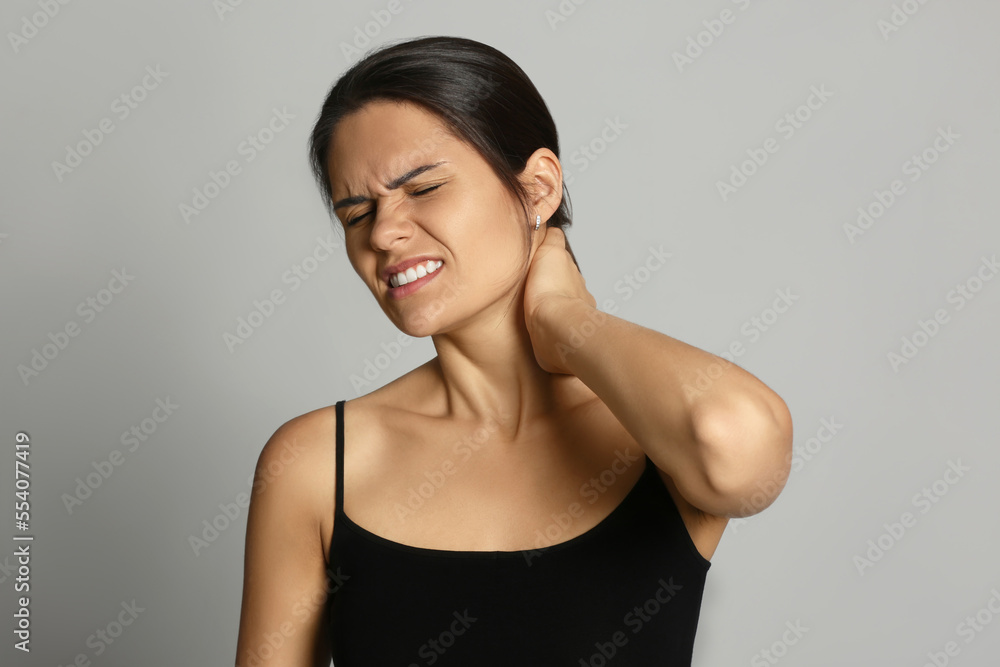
<point>468,488</point>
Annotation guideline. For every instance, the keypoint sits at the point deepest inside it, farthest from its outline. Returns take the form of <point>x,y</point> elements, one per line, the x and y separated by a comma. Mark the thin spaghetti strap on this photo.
<point>340,458</point>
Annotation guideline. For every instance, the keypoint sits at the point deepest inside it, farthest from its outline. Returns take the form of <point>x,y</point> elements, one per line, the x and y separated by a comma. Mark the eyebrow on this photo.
<point>391,185</point>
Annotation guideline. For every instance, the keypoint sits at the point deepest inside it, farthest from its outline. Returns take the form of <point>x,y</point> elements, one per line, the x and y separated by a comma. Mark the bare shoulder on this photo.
<point>299,445</point>
<point>284,562</point>
<point>299,459</point>
<point>298,462</point>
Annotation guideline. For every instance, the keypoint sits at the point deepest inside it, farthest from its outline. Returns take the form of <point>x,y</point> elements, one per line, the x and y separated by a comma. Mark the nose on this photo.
<point>391,224</point>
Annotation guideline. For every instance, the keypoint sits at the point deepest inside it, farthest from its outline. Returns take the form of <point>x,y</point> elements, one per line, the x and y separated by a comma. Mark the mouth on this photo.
<point>406,282</point>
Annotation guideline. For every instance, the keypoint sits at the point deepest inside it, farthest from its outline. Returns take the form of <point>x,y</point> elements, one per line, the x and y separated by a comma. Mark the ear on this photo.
<point>542,176</point>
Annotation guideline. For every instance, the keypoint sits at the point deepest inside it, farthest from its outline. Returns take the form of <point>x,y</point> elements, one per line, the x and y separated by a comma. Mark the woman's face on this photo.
<point>452,212</point>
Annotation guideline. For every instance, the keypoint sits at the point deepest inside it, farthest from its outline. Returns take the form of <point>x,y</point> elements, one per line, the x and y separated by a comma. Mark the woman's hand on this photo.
<point>552,280</point>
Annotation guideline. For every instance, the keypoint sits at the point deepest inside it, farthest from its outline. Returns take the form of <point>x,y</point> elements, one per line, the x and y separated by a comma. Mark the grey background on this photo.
<point>655,184</point>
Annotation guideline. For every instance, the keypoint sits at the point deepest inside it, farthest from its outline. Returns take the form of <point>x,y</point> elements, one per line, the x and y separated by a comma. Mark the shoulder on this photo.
<point>284,561</point>
<point>295,467</point>
<point>306,444</point>
<point>296,471</point>
<point>299,442</point>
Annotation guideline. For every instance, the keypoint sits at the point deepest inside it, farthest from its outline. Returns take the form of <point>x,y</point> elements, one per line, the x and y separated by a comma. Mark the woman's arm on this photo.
<point>721,434</point>
<point>284,577</point>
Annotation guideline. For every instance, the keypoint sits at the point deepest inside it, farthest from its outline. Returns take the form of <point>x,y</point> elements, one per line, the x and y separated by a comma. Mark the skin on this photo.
<point>519,415</point>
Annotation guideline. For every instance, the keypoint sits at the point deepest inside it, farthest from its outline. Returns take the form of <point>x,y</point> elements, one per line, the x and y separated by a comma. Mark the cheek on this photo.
<point>481,214</point>
<point>360,261</point>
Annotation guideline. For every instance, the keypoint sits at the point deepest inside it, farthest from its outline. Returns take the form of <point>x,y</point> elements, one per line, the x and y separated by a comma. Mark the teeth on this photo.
<point>414,272</point>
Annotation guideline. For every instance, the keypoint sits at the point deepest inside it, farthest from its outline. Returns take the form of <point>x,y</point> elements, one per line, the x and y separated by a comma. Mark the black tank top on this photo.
<point>625,593</point>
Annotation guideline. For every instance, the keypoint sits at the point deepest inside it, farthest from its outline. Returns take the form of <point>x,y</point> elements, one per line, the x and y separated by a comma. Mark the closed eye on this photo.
<point>426,190</point>
<point>418,193</point>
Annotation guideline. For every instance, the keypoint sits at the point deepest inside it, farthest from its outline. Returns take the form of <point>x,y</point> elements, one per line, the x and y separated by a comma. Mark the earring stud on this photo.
<point>538,222</point>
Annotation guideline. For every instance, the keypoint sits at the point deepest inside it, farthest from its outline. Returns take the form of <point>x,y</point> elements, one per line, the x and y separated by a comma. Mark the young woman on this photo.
<point>547,490</point>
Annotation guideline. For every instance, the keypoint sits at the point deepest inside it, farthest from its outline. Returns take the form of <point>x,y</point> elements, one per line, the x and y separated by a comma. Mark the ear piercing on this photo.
<point>538,222</point>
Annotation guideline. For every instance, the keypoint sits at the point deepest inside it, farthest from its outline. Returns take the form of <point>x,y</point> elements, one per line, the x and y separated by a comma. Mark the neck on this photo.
<point>488,372</point>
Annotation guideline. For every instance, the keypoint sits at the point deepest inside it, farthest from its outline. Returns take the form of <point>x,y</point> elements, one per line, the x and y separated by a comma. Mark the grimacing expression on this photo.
<point>446,205</point>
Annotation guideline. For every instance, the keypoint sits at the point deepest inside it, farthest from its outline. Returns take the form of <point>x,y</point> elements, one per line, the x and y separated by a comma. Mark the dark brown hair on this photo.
<point>481,96</point>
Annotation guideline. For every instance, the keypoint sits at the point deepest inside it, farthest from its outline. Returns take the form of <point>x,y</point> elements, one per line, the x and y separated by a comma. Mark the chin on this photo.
<point>418,325</point>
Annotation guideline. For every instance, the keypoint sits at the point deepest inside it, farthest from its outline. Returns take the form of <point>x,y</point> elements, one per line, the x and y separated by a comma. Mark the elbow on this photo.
<point>746,454</point>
